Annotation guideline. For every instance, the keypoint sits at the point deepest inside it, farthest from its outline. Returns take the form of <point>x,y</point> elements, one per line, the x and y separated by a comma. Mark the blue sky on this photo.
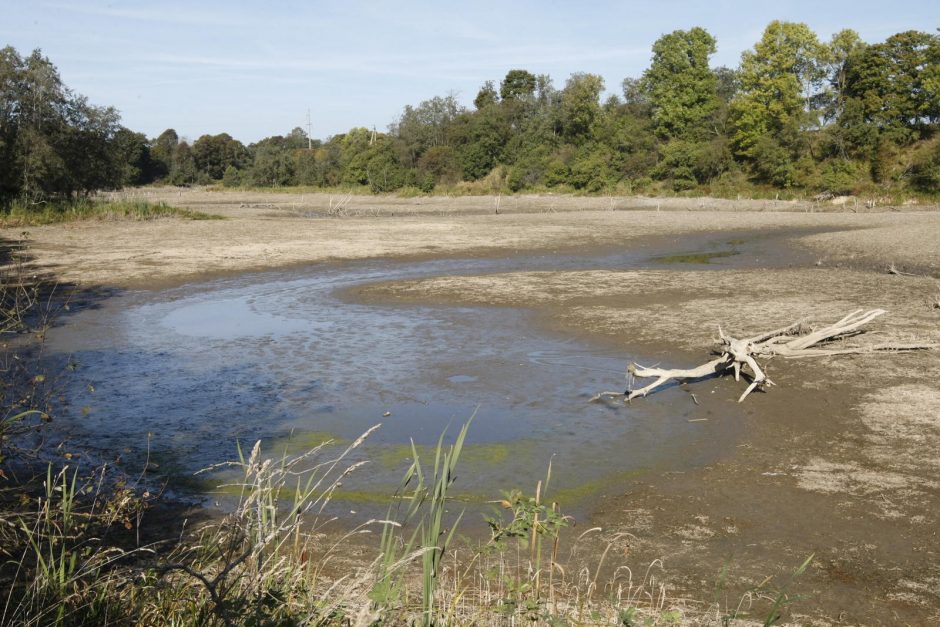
<point>253,69</point>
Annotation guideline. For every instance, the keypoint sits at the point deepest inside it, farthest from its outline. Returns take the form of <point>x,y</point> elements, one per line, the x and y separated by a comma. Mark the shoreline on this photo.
<point>827,466</point>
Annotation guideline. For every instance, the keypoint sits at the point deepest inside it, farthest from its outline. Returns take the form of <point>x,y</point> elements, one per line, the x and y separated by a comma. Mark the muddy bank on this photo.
<point>840,460</point>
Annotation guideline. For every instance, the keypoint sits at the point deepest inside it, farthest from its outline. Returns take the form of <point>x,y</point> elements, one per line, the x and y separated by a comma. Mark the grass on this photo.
<point>20,214</point>
<point>72,558</point>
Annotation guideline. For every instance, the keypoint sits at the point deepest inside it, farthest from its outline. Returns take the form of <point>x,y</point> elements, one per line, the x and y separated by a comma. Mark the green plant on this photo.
<point>783,597</point>
<point>427,498</point>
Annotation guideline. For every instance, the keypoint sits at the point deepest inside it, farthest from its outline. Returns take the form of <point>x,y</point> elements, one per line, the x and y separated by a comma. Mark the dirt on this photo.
<point>265,230</point>
<point>840,460</point>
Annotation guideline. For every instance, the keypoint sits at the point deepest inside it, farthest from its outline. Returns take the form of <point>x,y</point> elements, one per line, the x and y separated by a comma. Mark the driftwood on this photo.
<point>743,356</point>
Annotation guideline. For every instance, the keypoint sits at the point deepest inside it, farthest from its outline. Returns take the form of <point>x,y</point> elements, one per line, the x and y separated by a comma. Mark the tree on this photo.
<point>481,141</point>
<point>53,143</point>
<point>487,96</point>
<point>835,58</point>
<point>272,161</point>
<point>580,105</point>
<point>132,153</point>
<point>214,153</point>
<point>518,85</point>
<point>635,95</point>
<point>426,125</point>
<point>893,85</point>
<point>183,165</point>
<point>162,152</point>
<point>682,89</point>
<point>10,79</point>
<point>778,80</point>
<point>231,177</point>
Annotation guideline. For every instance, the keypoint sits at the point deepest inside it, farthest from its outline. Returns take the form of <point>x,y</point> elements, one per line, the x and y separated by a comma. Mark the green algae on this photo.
<point>696,257</point>
<point>299,442</point>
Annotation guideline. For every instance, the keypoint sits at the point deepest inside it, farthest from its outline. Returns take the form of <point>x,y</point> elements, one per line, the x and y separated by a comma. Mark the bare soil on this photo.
<point>265,230</point>
<point>840,460</point>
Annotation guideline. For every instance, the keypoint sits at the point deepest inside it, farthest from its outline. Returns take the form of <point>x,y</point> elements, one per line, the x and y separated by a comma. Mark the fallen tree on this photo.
<point>744,356</point>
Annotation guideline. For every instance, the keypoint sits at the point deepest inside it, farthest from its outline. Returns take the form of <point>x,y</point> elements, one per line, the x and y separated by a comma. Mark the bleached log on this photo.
<point>791,342</point>
<point>715,366</point>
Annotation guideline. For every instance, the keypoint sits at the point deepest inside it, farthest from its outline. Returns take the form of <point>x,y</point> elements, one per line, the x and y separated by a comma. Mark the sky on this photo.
<point>254,69</point>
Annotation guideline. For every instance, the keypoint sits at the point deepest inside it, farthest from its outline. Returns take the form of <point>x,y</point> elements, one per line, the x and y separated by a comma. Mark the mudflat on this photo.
<point>839,460</point>
<point>270,230</point>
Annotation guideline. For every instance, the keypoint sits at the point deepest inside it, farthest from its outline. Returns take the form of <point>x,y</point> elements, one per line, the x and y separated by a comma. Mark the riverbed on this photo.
<point>176,379</point>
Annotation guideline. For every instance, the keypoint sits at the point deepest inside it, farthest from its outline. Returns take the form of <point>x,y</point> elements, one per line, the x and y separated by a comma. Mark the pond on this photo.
<point>180,376</point>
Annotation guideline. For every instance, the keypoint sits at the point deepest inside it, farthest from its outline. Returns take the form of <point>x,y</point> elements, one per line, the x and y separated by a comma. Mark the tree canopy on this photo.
<point>842,115</point>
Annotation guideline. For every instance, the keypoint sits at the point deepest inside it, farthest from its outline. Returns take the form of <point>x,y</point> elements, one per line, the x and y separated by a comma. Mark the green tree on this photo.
<point>132,153</point>
<point>231,177</point>
<point>10,86</point>
<point>53,142</point>
<point>183,166</point>
<point>163,152</point>
<point>778,80</point>
<point>925,171</point>
<point>835,58</point>
<point>518,85</point>
<point>481,140</point>
<point>487,96</point>
<point>682,88</point>
<point>580,106</point>
<point>893,86</point>
<point>272,162</point>
<point>214,153</point>
<point>428,124</point>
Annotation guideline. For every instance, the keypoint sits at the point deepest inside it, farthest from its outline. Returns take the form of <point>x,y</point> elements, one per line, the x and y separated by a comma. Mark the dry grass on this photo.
<point>20,215</point>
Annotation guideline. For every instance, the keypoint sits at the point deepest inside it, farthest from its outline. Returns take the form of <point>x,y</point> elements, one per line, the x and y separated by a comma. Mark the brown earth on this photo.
<point>265,230</point>
<point>840,460</point>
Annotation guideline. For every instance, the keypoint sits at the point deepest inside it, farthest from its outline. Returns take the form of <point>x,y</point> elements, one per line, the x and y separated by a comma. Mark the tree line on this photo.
<point>840,116</point>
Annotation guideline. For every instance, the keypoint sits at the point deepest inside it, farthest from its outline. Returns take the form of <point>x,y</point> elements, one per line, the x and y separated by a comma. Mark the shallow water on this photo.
<point>186,372</point>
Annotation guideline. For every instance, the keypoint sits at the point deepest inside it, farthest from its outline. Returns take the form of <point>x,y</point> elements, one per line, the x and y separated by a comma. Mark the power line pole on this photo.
<point>309,138</point>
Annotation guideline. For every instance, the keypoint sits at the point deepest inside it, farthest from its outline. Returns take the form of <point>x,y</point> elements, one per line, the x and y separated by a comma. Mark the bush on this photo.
<point>689,164</point>
<point>925,173</point>
<point>231,177</point>
<point>772,163</point>
<point>841,176</point>
<point>591,171</point>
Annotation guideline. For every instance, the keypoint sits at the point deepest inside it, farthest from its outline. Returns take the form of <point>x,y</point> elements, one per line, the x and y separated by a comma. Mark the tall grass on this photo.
<point>21,214</point>
<point>272,561</point>
<point>425,511</point>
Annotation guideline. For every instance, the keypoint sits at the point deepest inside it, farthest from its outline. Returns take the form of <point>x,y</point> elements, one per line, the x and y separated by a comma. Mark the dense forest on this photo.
<point>798,113</point>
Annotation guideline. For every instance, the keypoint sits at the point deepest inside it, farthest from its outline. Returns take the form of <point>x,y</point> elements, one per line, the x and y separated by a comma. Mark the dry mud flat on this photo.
<point>264,230</point>
<point>841,459</point>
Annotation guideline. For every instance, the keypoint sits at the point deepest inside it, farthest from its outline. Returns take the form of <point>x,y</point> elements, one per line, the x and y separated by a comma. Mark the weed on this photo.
<point>20,214</point>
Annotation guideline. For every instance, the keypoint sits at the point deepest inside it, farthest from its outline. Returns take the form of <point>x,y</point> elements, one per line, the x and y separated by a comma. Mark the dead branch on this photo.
<point>740,356</point>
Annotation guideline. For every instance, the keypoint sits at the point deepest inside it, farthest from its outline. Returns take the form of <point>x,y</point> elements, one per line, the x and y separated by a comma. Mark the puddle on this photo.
<point>278,356</point>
